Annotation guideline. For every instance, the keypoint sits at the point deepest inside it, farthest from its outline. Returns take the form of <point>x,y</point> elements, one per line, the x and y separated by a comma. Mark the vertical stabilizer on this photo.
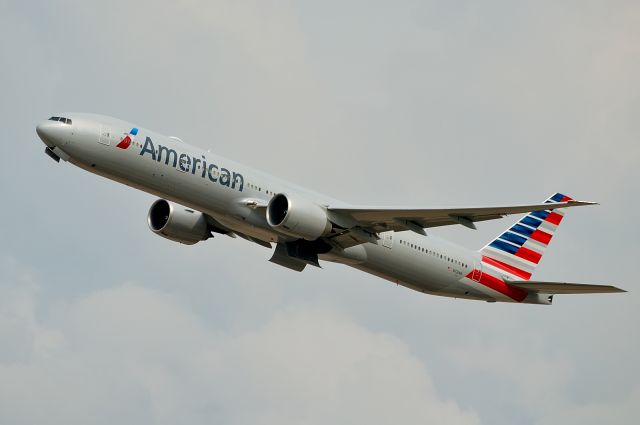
<point>517,251</point>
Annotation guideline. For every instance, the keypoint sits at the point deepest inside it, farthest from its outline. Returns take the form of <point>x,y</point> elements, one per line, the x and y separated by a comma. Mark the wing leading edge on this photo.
<point>376,220</point>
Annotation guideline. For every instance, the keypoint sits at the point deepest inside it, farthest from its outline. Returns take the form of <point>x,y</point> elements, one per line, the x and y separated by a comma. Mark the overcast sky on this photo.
<point>406,103</point>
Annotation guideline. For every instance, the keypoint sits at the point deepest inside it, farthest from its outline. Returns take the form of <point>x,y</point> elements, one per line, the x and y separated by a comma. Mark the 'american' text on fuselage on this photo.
<point>185,163</point>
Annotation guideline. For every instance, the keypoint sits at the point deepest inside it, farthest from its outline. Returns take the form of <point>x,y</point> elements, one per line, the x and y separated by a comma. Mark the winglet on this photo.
<point>567,201</point>
<point>580,203</point>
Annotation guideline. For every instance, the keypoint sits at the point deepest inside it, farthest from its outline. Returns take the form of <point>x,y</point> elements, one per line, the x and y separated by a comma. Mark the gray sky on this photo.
<point>414,103</point>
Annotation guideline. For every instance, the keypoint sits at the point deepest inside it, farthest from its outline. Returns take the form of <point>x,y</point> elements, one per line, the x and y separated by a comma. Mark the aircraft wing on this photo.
<point>563,287</point>
<point>375,220</point>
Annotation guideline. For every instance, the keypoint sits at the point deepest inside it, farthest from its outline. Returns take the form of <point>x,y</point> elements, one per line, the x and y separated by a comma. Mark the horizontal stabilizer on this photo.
<point>563,287</point>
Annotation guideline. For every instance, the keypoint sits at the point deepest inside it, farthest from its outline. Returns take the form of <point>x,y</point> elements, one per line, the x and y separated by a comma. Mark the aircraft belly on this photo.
<point>244,227</point>
<point>415,270</point>
<point>405,268</point>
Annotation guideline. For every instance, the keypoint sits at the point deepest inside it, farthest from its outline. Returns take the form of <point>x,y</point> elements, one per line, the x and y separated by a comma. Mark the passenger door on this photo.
<point>105,136</point>
<point>477,271</point>
<point>387,239</point>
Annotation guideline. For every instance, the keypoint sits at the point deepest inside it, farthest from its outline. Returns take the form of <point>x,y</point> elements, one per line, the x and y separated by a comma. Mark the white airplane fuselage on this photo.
<point>228,191</point>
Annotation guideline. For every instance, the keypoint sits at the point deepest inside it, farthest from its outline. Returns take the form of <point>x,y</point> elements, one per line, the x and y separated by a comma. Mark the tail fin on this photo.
<point>517,251</point>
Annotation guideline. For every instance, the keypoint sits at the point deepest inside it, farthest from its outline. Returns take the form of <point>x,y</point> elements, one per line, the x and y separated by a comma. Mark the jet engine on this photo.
<point>297,217</point>
<point>177,223</point>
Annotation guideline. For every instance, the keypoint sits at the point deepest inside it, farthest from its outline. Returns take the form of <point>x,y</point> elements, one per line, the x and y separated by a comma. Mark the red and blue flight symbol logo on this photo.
<point>128,138</point>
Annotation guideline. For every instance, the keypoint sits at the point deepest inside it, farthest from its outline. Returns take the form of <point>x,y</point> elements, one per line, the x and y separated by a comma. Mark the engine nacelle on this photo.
<point>177,223</point>
<point>297,217</point>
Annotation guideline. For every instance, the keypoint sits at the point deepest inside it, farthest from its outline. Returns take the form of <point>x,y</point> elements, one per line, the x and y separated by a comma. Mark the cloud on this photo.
<point>131,354</point>
<point>535,377</point>
<point>20,329</point>
<point>613,412</point>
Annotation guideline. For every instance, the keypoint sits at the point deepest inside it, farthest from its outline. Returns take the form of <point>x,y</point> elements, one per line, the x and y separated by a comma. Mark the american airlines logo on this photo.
<point>126,142</point>
<point>187,163</point>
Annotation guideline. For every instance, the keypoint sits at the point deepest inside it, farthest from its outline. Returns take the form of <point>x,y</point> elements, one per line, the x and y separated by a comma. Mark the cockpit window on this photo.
<point>61,119</point>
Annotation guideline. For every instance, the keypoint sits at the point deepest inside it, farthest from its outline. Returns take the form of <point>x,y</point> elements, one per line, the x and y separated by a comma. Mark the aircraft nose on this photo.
<point>45,133</point>
<point>52,133</point>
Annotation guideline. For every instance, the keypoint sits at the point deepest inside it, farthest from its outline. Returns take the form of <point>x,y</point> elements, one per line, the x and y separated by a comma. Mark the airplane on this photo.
<point>202,194</point>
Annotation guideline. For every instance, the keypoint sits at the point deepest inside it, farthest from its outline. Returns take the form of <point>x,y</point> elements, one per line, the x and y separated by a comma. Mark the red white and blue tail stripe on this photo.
<point>516,252</point>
